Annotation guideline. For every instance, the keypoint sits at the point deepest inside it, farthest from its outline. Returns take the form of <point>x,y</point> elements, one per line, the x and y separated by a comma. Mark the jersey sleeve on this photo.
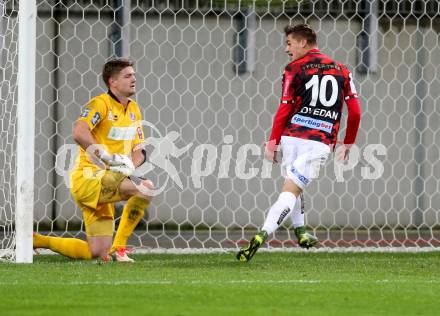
<point>285,107</point>
<point>353,120</point>
<point>286,86</point>
<point>93,113</point>
<point>349,88</point>
<point>354,110</point>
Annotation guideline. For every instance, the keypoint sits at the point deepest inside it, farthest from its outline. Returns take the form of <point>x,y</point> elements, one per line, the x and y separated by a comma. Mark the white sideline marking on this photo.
<point>290,250</point>
<point>182,251</point>
<point>165,282</point>
<point>201,282</point>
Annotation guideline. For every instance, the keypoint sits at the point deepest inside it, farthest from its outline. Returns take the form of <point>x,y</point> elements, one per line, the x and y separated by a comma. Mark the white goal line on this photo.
<point>218,282</point>
<point>183,251</point>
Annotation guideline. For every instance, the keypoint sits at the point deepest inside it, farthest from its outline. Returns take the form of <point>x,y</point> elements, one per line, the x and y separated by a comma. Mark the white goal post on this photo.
<point>208,83</point>
<point>27,17</point>
<point>18,51</point>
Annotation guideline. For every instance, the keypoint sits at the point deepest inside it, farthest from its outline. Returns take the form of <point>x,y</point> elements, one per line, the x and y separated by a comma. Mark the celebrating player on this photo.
<point>108,132</point>
<point>306,126</point>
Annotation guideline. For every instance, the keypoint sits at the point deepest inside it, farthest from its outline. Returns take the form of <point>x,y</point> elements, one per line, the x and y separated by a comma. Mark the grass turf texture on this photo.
<point>217,284</point>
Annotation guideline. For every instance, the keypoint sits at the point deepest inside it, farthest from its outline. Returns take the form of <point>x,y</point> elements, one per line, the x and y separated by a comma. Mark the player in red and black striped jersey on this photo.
<point>314,88</point>
<point>306,125</point>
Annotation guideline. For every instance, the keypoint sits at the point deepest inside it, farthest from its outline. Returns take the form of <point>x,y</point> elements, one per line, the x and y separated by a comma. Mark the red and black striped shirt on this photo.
<point>313,90</point>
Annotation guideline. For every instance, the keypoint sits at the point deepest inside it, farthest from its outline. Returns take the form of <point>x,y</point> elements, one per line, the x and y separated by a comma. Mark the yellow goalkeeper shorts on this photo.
<point>95,194</point>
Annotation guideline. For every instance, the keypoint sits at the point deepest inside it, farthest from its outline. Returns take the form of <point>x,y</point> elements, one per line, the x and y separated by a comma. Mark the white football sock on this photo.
<point>297,214</point>
<point>279,211</point>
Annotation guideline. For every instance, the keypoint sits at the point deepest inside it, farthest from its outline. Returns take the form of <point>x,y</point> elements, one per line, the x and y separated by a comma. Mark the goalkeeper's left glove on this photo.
<point>117,162</point>
<point>122,164</point>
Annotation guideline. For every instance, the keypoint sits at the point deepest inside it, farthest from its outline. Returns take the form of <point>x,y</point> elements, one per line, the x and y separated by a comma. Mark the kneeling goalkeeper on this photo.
<point>109,134</point>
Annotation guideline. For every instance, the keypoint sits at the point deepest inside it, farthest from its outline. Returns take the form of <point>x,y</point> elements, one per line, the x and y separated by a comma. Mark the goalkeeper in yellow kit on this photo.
<point>109,133</point>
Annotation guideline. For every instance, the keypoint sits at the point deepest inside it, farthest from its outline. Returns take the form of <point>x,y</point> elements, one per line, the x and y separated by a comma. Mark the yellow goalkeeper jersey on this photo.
<point>115,127</point>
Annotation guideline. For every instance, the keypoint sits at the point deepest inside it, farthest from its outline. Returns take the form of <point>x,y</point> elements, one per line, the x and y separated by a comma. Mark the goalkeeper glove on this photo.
<point>117,162</point>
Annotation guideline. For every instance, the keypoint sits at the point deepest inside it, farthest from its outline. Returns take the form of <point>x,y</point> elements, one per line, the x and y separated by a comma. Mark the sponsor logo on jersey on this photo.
<point>312,123</point>
<point>122,133</point>
<point>139,132</point>
<point>95,119</point>
<point>132,116</point>
<point>85,112</point>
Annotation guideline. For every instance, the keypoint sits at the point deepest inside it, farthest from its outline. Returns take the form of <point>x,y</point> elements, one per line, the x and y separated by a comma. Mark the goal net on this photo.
<point>8,124</point>
<point>210,73</point>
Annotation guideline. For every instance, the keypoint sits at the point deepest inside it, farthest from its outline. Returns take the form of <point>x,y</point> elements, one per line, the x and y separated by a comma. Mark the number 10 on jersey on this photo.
<point>319,90</point>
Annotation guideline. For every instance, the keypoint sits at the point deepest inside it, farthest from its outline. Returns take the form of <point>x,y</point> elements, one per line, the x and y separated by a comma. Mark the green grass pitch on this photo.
<point>216,284</point>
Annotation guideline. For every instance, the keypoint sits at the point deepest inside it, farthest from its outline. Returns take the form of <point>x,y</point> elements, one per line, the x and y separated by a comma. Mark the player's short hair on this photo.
<point>303,31</point>
<point>113,67</point>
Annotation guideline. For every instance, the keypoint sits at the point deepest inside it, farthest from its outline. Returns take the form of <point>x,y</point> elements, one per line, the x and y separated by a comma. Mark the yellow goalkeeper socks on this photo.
<point>131,216</point>
<point>70,247</point>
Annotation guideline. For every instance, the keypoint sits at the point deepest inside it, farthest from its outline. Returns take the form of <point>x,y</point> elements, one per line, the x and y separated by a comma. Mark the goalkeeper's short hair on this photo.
<point>113,67</point>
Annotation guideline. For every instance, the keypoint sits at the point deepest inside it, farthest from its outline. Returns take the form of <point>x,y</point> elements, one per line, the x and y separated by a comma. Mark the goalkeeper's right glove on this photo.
<point>117,162</point>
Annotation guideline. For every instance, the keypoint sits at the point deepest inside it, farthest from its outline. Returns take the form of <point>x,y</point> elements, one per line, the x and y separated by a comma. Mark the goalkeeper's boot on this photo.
<point>305,240</point>
<point>120,255</point>
<point>246,253</point>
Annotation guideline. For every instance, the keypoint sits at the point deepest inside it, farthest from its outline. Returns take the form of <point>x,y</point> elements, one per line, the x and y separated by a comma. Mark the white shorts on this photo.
<point>302,159</point>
